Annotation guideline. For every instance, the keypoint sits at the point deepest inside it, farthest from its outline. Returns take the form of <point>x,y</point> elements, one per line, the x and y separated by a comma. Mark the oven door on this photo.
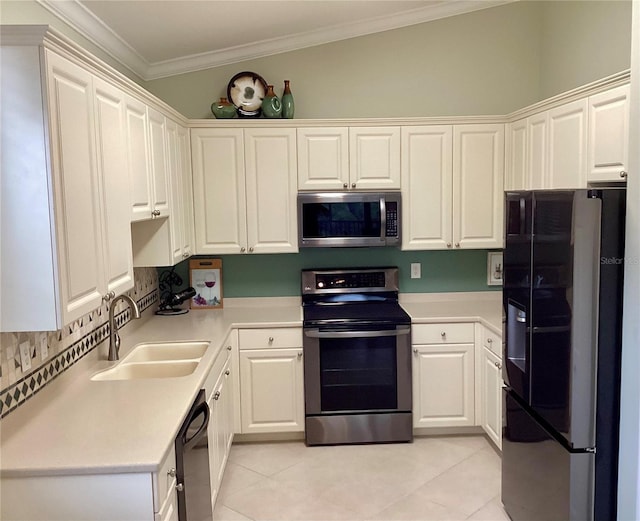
<point>357,370</point>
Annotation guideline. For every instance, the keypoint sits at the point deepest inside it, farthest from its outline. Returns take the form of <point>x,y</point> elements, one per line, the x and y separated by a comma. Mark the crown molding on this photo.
<point>83,21</point>
<point>88,25</point>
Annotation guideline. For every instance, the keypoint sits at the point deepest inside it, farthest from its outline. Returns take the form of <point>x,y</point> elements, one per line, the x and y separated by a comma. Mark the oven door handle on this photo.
<point>316,333</point>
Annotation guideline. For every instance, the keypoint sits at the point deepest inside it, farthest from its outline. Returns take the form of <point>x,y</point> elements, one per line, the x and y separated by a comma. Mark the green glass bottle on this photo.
<point>288,106</point>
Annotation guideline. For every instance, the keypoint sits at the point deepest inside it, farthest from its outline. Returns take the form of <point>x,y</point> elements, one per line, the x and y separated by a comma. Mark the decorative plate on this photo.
<point>246,91</point>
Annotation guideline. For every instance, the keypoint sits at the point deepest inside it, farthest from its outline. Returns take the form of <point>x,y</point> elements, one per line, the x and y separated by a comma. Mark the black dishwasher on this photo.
<point>192,464</point>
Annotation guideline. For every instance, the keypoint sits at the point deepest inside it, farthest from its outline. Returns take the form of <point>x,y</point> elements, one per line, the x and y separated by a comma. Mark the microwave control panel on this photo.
<point>392,219</point>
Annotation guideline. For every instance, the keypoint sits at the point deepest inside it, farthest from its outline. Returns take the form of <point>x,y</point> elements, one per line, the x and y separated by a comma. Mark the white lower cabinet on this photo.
<point>443,375</point>
<point>489,369</point>
<point>271,380</point>
<point>140,496</point>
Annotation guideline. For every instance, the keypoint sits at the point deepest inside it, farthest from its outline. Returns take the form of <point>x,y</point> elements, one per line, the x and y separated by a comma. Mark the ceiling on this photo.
<point>160,38</point>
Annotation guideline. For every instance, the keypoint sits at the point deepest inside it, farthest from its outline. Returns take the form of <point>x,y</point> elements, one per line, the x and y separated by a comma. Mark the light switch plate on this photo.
<point>416,270</point>
<point>25,356</point>
<point>44,348</point>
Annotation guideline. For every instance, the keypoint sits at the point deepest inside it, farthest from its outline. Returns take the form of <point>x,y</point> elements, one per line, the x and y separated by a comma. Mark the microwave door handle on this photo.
<point>383,219</point>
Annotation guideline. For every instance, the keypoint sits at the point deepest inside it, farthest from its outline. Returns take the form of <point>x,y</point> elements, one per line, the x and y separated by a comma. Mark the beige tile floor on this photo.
<point>433,478</point>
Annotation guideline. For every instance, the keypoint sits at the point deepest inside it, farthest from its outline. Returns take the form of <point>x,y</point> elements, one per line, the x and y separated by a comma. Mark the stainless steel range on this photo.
<point>357,357</point>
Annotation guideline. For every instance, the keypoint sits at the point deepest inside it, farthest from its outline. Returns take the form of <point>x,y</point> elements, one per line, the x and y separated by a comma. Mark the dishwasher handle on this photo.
<point>316,333</point>
<point>190,440</point>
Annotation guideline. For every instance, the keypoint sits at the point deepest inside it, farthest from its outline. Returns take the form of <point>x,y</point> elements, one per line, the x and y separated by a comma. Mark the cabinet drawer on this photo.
<point>270,338</point>
<point>164,479</point>
<point>442,333</point>
<point>492,342</point>
<point>169,509</point>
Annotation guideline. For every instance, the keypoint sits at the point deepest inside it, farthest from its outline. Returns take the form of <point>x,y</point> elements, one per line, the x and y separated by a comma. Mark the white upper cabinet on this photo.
<point>515,176</point>
<point>374,158</point>
<point>114,178</point>
<point>478,180</point>
<point>452,186</point>
<point>427,187</point>
<point>64,162</point>
<point>342,158</point>
<point>537,151</point>
<point>580,142</point>
<point>219,193</point>
<point>148,177</point>
<point>244,185</point>
<point>609,135</point>
<point>323,158</point>
<point>567,146</point>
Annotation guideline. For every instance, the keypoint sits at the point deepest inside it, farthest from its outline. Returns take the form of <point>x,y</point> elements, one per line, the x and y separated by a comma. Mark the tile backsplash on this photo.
<point>65,346</point>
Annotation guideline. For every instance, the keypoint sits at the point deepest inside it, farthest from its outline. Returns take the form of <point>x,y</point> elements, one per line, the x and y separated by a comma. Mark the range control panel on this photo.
<point>349,280</point>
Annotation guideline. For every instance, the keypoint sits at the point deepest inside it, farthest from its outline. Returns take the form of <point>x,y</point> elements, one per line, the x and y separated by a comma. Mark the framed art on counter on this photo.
<point>205,276</point>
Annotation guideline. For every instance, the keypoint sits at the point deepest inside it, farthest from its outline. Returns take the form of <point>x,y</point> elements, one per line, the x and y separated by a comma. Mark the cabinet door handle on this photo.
<point>216,396</point>
<point>457,244</point>
<point>251,249</point>
<point>353,185</point>
<point>156,213</point>
<point>171,472</point>
<point>271,340</point>
<point>490,340</point>
<point>179,487</point>
<point>443,334</point>
<point>228,348</point>
<point>242,250</point>
<point>227,372</point>
<point>299,355</point>
<point>623,174</point>
<point>415,351</point>
<point>345,185</point>
<point>185,254</point>
<point>448,245</point>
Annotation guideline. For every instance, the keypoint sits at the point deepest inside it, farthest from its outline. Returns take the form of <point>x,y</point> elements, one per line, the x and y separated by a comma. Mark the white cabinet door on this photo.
<point>138,156</point>
<point>491,381</point>
<point>158,162</point>
<point>77,205</point>
<point>478,180</point>
<point>443,385</point>
<point>427,187</point>
<point>323,158</point>
<point>184,158</point>
<point>609,135</point>
<point>516,177</point>
<point>567,146</point>
<point>174,172</point>
<point>537,150</point>
<point>114,185</point>
<point>271,387</point>
<point>374,158</point>
<point>219,191</point>
<point>270,156</point>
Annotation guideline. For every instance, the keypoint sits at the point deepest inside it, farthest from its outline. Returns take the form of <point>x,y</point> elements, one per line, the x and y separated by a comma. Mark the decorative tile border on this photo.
<point>65,346</point>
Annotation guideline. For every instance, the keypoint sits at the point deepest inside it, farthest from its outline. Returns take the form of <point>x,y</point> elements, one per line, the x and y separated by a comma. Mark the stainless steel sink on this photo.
<point>145,370</point>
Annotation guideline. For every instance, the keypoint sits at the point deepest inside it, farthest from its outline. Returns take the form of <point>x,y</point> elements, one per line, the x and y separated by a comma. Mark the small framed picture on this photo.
<point>205,276</point>
<point>495,268</point>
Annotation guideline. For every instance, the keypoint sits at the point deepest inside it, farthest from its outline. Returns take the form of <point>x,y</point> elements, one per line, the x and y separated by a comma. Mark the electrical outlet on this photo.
<point>25,357</point>
<point>416,270</point>
<point>44,348</point>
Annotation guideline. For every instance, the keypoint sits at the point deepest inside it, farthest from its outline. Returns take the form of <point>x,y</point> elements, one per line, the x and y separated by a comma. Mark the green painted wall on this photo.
<point>279,275</point>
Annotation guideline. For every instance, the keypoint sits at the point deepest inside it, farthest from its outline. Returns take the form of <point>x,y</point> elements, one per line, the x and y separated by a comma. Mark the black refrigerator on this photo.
<point>562,304</point>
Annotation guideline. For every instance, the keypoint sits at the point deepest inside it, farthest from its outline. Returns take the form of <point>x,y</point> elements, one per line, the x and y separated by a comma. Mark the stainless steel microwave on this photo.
<point>342,219</point>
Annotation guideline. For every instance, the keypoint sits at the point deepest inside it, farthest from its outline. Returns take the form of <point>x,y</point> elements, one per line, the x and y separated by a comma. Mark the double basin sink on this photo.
<point>157,360</point>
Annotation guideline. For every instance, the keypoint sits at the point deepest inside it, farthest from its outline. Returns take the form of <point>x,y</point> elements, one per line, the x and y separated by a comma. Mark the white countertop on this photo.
<point>79,426</point>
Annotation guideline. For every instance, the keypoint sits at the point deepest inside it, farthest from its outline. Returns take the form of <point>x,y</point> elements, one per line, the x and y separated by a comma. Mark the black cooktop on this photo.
<point>360,313</point>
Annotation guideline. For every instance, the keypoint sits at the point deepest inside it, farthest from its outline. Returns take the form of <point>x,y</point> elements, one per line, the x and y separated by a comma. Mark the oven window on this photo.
<point>360,219</point>
<point>358,374</point>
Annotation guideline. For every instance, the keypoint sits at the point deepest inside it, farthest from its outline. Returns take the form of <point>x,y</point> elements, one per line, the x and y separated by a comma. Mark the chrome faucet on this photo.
<point>114,337</point>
